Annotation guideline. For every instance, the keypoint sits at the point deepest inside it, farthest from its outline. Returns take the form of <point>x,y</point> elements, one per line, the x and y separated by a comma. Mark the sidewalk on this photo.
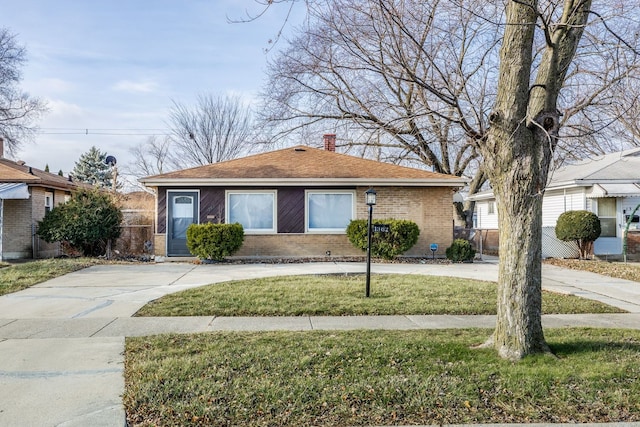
<point>62,341</point>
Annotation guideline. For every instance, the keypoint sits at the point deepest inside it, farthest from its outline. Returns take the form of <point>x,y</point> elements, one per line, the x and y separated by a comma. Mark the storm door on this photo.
<point>182,209</point>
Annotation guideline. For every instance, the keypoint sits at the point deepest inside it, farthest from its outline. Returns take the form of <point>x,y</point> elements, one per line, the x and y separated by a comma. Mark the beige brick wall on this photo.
<point>430,208</point>
<point>16,229</point>
<point>160,244</point>
<point>20,219</point>
<point>297,245</point>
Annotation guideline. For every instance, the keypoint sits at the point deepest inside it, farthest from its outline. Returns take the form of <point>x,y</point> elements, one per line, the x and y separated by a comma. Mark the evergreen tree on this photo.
<point>92,169</point>
<point>60,172</point>
<point>46,167</point>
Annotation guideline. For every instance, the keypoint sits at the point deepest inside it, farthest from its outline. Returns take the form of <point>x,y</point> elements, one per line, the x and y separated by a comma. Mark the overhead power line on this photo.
<point>105,131</point>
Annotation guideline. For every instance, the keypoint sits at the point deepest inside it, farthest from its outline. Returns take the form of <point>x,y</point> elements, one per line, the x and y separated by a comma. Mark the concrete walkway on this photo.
<point>62,341</point>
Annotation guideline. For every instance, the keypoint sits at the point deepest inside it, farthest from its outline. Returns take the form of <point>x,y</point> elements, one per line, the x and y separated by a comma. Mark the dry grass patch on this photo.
<point>627,271</point>
<point>16,277</point>
<point>378,378</point>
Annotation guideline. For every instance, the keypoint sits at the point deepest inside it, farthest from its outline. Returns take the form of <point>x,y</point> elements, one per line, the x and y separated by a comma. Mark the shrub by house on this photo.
<point>582,227</point>
<point>86,223</point>
<point>214,241</point>
<point>402,235</point>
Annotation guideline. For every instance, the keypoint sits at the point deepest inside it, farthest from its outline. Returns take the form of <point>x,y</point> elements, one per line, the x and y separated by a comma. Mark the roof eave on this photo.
<point>307,182</point>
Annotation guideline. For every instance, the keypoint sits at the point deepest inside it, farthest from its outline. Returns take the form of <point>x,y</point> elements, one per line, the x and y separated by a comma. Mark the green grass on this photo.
<point>337,295</point>
<point>16,277</point>
<point>378,378</point>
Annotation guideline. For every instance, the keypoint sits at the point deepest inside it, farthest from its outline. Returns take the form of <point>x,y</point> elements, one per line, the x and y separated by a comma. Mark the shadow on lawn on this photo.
<point>592,346</point>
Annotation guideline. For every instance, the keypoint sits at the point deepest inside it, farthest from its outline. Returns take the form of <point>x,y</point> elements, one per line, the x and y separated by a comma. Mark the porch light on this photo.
<point>370,197</point>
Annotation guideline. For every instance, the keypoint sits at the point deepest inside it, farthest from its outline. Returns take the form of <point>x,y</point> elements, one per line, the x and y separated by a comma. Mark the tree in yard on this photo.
<point>518,151</point>
<point>581,227</point>
<point>92,169</point>
<point>415,81</point>
<point>87,222</point>
<point>18,110</point>
<point>502,86</point>
<point>216,129</point>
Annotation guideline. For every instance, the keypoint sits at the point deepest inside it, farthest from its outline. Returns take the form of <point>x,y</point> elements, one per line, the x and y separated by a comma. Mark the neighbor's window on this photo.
<point>329,211</point>
<point>607,215</point>
<point>48,201</point>
<point>492,208</point>
<point>254,210</point>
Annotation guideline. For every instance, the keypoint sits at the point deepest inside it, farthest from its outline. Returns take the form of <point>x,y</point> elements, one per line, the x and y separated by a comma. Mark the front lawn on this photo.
<point>333,378</point>
<point>16,277</point>
<point>338,295</point>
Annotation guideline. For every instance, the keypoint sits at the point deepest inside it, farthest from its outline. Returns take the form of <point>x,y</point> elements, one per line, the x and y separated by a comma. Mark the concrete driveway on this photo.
<point>62,341</point>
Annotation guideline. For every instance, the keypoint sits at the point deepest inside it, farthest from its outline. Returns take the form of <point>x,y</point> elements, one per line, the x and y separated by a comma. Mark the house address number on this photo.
<point>381,228</point>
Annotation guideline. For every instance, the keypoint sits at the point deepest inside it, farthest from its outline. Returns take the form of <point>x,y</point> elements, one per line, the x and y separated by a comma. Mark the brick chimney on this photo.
<point>329,141</point>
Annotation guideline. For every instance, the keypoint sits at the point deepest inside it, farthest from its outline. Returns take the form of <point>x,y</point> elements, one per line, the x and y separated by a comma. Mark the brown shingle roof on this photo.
<point>300,164</point>
<point>11,171</point>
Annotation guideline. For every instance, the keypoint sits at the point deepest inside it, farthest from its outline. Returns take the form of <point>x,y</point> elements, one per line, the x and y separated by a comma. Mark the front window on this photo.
<point>254,210</point>
<point>607,215</point>
<point>329,211</point>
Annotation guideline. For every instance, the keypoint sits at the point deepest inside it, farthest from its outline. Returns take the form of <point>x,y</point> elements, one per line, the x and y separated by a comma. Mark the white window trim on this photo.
<point>327,230</point>
<point>48,196</point>
<point>614,218</point>
<point>274,193</point>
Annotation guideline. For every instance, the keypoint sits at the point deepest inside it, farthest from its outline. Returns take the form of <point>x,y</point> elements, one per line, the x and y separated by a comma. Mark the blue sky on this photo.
<point>113,66</point>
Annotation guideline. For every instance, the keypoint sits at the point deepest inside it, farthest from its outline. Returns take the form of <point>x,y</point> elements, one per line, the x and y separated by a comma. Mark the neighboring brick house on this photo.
<point>26,193</point>
<point>297,202</point>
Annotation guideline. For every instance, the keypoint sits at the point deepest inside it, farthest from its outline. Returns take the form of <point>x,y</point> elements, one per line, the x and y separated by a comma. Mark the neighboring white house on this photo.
<point>607,185</point>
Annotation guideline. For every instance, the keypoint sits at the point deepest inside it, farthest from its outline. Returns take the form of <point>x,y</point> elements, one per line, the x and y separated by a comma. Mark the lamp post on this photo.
<point>370,197</point>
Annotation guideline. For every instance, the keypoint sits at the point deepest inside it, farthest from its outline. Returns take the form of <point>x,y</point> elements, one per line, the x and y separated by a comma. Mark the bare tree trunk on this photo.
<point>518,152</point>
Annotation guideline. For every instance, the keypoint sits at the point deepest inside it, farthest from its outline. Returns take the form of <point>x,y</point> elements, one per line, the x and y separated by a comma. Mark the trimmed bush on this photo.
<point>214,241</point>
<point>402,236</point>
<point>86,223</point>
<point>582,227</point>
<point>460,251</point>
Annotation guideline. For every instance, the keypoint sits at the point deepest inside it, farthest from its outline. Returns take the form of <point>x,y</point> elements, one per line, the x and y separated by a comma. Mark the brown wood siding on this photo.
<point>290,207</point>
<point>290,210</point>
<point>212,202</point>
<point>162,210</point>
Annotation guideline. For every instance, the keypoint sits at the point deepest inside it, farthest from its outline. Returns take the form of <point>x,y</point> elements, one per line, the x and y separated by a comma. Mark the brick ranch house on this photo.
<point>26,193</point>
<point>298,201</point>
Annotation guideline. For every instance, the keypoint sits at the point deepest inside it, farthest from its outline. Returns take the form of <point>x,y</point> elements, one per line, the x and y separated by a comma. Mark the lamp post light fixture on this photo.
<point>370,197</point>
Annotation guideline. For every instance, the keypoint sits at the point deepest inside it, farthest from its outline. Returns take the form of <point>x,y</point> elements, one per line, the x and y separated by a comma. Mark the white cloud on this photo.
<point>59,109</point>
<point>135,87</point>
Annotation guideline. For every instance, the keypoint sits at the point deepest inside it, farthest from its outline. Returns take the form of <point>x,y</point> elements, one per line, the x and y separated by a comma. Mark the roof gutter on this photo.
<point>307,182</point>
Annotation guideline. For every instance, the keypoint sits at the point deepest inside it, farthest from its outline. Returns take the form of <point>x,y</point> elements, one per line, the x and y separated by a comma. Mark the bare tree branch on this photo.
<point>18,110</point>
<point>216,129</point>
